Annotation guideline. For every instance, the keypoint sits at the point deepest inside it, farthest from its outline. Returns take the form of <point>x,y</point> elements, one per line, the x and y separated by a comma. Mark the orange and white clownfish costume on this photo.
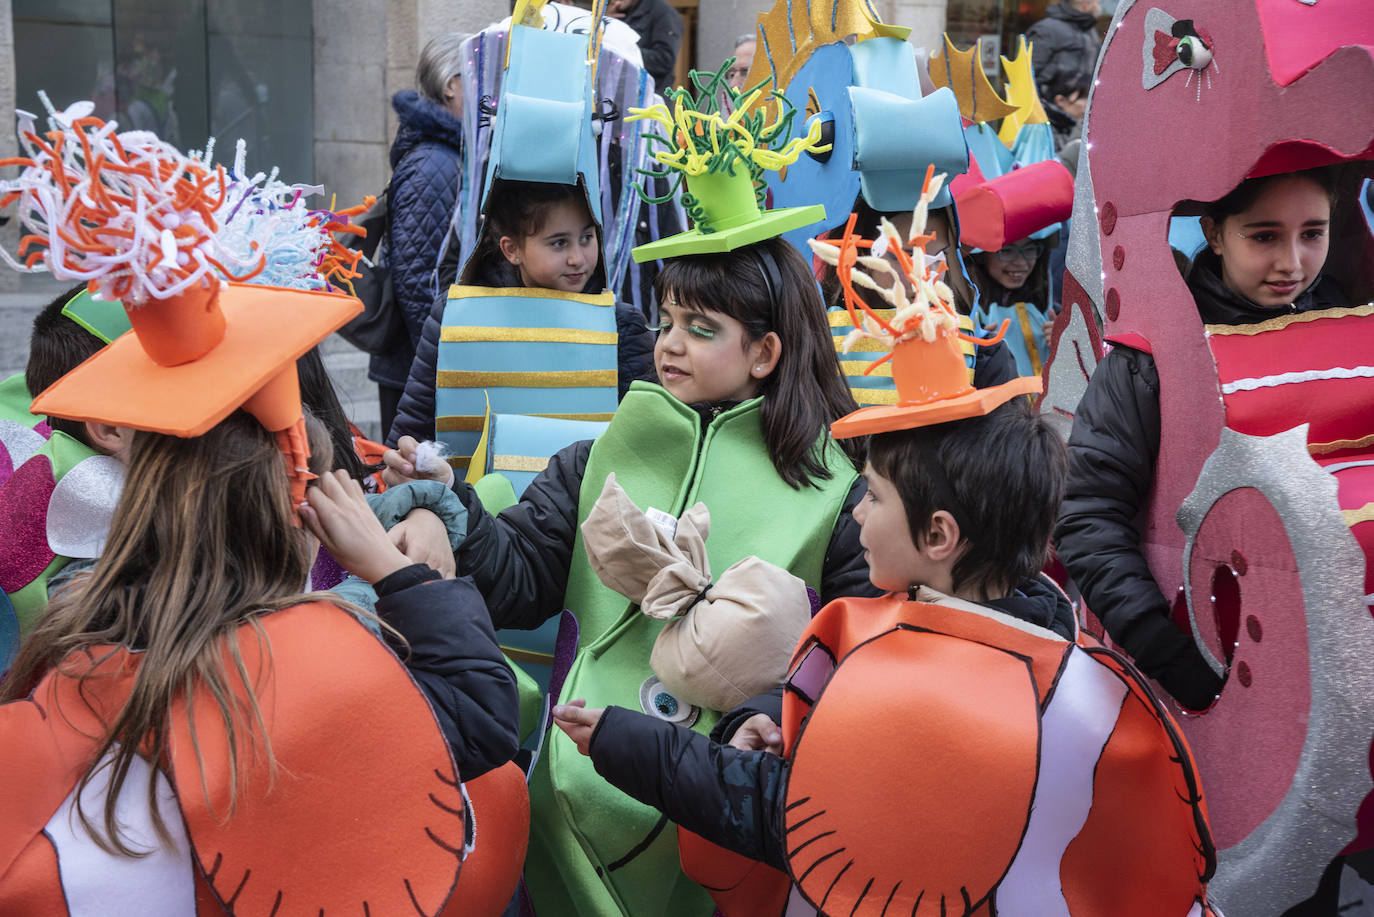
<point>364,812</point>
<point>951,759</point>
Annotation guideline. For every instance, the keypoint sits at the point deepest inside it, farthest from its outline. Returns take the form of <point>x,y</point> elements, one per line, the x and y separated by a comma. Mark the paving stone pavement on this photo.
<point>346,364</point>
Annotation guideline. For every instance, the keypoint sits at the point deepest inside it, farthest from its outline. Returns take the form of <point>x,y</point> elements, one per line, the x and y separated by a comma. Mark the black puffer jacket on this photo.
<point>415,412</point>
<point>520,559</point>
<point>733,797</point>
<point>455,662</point>
<point>427,159</point>
<point>1112,455</point>
<point>1065,41</point>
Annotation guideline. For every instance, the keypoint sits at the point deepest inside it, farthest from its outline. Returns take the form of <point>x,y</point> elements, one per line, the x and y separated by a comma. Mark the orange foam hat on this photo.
<point>923,336</point>
<point>138,221</point>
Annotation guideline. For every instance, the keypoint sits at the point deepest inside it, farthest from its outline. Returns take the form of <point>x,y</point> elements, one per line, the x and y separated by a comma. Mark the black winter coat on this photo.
<point>1112,455</point>
<point>427,165</point>
<point>1064,42</point>
<point>520,559</point>
<point>415,412</point>
<point>660,35</point>
<point>730,796</point>
<point>453,657</point>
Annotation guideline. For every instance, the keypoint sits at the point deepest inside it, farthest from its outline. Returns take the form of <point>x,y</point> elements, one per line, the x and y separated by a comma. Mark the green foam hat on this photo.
<point>105,320</point>
<point>721,159</point>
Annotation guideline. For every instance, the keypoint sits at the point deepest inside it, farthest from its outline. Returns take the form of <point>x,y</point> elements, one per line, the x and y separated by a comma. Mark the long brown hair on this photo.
<point>203,539</point>
<point>807,390</point>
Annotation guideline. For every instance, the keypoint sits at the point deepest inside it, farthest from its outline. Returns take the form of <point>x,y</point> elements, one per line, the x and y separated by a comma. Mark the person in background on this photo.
<point>660,35</point>
<point>744,59</point>
<point>426,162</point>
<point>1065,42</point>
<point>1065,101</point>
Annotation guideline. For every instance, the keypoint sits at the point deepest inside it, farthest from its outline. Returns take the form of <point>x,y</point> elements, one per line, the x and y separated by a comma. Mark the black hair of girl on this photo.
<point>519,209</point>
<point>1035,290</point>
<point>807,391</point>
<point>1243,196</point>
<point>320,399</point>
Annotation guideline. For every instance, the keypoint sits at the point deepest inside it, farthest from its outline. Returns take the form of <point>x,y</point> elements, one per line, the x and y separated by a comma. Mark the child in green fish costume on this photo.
<point>748,384</point>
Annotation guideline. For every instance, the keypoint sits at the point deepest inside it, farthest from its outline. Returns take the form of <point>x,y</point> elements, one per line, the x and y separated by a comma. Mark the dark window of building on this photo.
<point>184,69</point>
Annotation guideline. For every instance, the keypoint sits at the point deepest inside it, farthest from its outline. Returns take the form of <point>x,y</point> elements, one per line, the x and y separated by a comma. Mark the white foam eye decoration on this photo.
<point>657,701</point>
<point>1193,52</point>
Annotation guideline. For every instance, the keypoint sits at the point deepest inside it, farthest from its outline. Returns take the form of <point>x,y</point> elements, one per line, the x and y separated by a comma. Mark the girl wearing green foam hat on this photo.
<point>748,385</point>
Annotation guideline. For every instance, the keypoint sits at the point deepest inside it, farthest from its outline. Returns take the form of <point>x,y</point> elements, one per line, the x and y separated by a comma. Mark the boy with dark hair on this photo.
<point>62,339</point>
<point>953,744</point>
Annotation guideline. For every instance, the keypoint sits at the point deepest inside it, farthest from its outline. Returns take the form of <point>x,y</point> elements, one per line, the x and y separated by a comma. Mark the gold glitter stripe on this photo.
<point>576,378</point>
<point>460,291</point>
<point>839,318</point>
<point>857,367</point>
<point>1026,332</point>
<point>518,655</point>
<point>519,463</point>
<point>867,397</point>
<point>1354,517</point>
<point>1340,444</point>
<point>461,462</point>
<point>473,423</point>
<point>1283,321</point>
<point>460,423</point>
<point>864,345</point>
<point>452,334</point>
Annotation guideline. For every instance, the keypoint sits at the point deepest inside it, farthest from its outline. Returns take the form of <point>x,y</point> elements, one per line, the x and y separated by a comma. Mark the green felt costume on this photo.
<point>594,850</point>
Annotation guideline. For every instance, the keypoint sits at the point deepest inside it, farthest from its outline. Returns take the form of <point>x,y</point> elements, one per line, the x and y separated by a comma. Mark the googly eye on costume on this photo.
<point>658,701</point>
<point>1193,52</point>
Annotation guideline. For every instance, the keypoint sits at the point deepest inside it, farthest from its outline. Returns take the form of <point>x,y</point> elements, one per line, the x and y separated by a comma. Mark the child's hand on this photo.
<point>758,733</point>
<point>400,466</point>
<point>422,537</point>
<point>336,512</point>
<point>578,722</point>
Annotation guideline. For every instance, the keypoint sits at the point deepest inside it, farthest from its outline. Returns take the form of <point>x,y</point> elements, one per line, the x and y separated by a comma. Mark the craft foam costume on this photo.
<point>949,756</point>
<point>138,220</point>
<point>619,84</point>
<point>1262,484</point>
<point>57,506</point>
<point>523,350</point>
<point>1014,189</point>
<point>884,123</point>
<point>593,850</point>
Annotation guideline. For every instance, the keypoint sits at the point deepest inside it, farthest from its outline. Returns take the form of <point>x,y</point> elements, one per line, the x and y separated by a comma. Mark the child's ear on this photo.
<point>1212,233</point>
<point>510,249</point>
<point>942,537</point>
<point>767,351</point>
<point>111,440</point>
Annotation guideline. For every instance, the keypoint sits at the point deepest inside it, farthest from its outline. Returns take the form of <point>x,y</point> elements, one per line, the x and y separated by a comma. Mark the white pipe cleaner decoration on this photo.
<point>127,211</point>
<point>141,219</point>
<point>929,308</point>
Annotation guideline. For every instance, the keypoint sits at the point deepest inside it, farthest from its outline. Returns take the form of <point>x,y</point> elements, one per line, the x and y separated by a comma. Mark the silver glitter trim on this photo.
<point>20,441</point>
<point>1072,366</point>
<point>82,506</point>
<point>1279,863</point>
<point>1084,254</point>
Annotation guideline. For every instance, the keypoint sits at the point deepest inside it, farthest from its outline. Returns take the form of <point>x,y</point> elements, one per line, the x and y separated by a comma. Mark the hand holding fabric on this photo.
<point>401,465</point>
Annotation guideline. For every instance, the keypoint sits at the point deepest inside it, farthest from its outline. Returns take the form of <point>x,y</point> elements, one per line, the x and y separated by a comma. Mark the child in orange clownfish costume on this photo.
<point>957,743</point>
